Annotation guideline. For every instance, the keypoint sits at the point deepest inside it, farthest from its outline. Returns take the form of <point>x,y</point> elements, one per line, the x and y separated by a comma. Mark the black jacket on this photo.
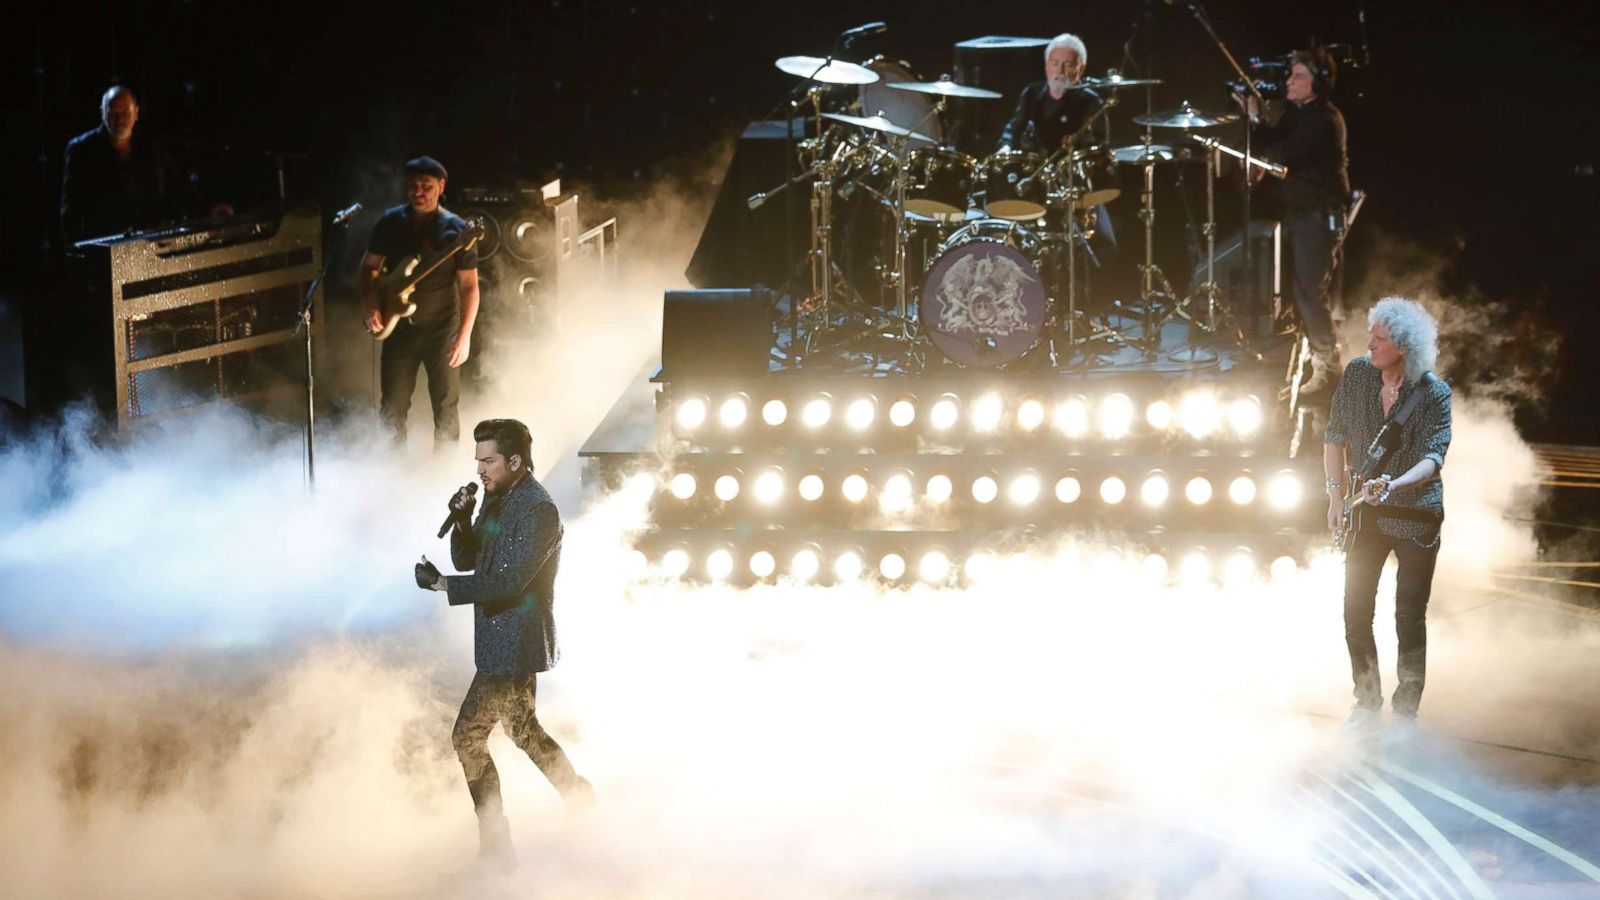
<point>101,194</point>
<point>1310,140</point>
<point>1053,120</point>
<point>513,550</point>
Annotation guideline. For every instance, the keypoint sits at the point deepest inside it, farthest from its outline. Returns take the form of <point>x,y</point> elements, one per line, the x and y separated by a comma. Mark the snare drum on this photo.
<point>984,302</point>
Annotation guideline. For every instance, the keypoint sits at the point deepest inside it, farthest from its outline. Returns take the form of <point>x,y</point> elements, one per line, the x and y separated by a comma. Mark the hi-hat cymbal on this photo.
<point>1140,154</point>
<point>879,123</point>
<point>1115,79</point>
<point>944,87</point>
<point>835,71</point>
<point>1185,116</point>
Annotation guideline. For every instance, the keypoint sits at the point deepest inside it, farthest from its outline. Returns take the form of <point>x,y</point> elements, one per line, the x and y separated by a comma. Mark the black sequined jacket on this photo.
<point>512,551</point>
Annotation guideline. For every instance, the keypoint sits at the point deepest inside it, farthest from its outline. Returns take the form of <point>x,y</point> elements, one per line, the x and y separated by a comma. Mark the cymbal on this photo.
<point>944,87</point>
<point>835,72</point>
<point>879,123</point>
<point>1115,79</point>
<point>1185,116</point>
<point>1140,154</point>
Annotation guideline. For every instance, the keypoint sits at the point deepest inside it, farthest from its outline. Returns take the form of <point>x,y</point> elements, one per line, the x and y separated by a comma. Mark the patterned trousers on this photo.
<point>507,699</point>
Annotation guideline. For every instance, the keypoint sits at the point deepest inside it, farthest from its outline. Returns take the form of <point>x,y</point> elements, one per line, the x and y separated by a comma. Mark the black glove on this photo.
<point>428,576</point>
<point>463,504</point>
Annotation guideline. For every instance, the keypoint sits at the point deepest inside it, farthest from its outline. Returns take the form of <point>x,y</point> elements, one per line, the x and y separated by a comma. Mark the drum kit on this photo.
<point>984,260</point>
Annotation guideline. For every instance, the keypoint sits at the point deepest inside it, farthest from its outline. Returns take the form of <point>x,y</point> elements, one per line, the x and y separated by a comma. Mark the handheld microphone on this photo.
<point>343,216</point>
<point>864,30</point>
<point>472,491</point>
<point>757,199</point>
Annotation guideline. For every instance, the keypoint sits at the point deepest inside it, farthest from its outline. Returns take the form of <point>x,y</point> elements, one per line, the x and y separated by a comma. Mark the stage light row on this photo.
<point>1198,413</point>
<point>1283,491</point>
<point>810,563</point>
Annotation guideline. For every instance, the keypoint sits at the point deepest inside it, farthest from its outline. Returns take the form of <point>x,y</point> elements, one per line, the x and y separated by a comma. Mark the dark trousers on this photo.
<point>1362,567</point>
<point>507,699</point>
<point>426,345</point>
<point>1312,248</point>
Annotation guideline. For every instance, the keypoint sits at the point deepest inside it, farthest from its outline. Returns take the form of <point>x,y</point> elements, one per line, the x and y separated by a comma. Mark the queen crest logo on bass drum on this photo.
<point>983,303</point>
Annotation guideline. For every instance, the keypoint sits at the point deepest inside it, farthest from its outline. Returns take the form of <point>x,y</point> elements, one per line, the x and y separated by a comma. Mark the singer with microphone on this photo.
<point>511,554</point>
<point>1389,407</point>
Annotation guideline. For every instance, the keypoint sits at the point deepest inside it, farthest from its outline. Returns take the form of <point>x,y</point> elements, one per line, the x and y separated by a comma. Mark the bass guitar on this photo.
<point>393,289</point>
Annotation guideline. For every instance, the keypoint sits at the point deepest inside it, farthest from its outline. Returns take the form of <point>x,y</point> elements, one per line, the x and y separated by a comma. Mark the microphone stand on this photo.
<point>303,323</point>
<point>1204,19</point>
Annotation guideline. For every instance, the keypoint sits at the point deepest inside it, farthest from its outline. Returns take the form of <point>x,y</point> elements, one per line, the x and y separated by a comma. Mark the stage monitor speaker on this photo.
<point>1266,255</point>
<point>716,334</point>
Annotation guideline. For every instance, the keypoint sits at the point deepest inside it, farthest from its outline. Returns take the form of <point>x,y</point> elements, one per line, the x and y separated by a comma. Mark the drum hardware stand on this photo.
<point>1074,234</point>
<point>1192,353</point>
<point>1149,272</point>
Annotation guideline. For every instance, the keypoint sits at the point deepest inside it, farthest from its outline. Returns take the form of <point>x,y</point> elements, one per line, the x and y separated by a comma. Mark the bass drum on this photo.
<point>903,108</point>
<point>984,301</point>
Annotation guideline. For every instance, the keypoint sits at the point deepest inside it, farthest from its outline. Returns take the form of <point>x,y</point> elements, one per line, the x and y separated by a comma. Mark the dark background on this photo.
<point>1469,131</point>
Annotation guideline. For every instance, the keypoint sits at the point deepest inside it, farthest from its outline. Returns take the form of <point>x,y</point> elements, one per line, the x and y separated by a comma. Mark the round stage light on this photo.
<point>769,486</point>
<point>1068,490</point>
<point>1154,491</point>
<point>1071,417</point>
<point>637,564</point>
<point>1198,490</point>
<point>805,564</point>
<point>1284,491</point>
<point>719,565</point>
<point>675,562</point>
<point>985,489</point>
<point>860,413</point>
<point>902,413</point>
<point>811,487</point>
<point>1244,416</point>
<point>774,412</point>
<point>939,488</point>
<point>935,567</point>
<point>854,488</point>
<point>1242,490</point>
<point>1024,489</point>
<point>1284,567</point>
<point>847,566</point>
<point>683,485</point>
<point>1116,416</point>
<point>981,566</point>
<point>896,495</point>
<point>1030,415</point>
<point>639,484</point>
<point>817,412</point>
<point>987,412</point>
<point>1199,414</point>
<point>1240,568</point>
<point>691,413</point>
<point>762,564</point>
<point>1196,567</point>
<point>726,488</point>
<point>733,412</point>
<point>1154,567</point>
<point>892,566</point>
<point>1113,490</point>
<point>1159,414</point>
<point>944,413</point>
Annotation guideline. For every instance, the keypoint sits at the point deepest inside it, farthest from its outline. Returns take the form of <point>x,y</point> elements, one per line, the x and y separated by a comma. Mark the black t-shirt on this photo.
<point>1310,140</point>
<point>400,234</point>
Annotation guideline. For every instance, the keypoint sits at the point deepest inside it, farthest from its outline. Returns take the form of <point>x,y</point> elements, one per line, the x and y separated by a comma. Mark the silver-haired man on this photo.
<point>1056,108</point>
<point>1403,494</point>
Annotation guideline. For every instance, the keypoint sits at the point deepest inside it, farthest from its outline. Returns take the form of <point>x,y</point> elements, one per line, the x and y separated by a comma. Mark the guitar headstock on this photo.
<point>473,233</point>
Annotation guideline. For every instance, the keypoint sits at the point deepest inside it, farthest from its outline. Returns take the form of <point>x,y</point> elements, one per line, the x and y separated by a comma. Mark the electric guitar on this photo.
<point>1351,519</point>
<point>392,289</point>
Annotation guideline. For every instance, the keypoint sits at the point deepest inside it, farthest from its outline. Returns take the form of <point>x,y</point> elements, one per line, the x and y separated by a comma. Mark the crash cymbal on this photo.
<point>835,72</point>
<point>1185,116</point>
<point>879,123</point>
<point>1115,79</point>
<point>944,87</point>
<point>1139,154</point>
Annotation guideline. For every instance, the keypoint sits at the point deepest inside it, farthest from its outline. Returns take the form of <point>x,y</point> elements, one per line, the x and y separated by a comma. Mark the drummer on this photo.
<point>1050,111</point>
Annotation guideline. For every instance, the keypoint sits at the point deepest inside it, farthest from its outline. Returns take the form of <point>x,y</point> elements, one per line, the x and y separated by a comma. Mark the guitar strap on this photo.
<point>1383,446</point>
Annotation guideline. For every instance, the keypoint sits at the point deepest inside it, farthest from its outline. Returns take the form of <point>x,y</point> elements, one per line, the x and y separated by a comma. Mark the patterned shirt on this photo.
<point>512,551</point>
<point>1354,421</point>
